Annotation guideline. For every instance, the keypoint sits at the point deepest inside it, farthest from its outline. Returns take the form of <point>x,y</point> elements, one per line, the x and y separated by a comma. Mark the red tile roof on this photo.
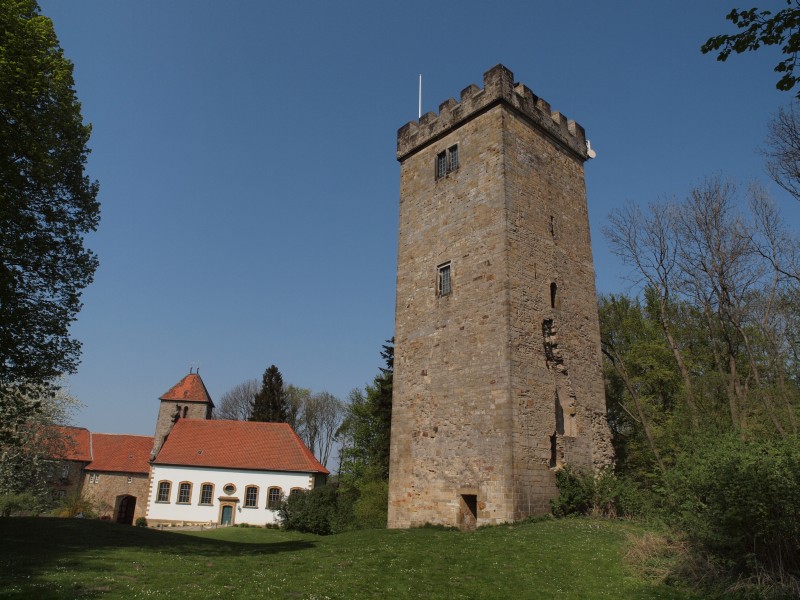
<point>120,453</point>
<point>189,389</point>
<point>77,443</point>
<point>237,445</point>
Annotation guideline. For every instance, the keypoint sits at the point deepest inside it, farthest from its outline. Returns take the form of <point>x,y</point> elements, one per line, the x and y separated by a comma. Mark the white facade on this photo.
<point>221,480</point>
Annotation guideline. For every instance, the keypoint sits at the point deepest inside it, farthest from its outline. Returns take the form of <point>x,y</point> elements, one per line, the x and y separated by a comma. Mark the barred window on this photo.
<point>251,496</point>
<point>274,498</point>
<point>184,493</point>
<point>452,153</point>
<point>206,492</point>
<point>444,285</point>
<point>441,164</point>
<point>163,491</point>
<point>446,161</point>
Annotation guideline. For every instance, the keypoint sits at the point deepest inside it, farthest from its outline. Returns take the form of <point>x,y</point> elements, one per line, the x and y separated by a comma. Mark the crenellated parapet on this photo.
<point>498,87</point>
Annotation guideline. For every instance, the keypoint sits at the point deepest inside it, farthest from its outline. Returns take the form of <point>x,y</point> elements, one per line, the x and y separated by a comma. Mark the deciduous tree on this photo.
<point>759,28</point>
<point>236,403</point>
<point>47,203</point>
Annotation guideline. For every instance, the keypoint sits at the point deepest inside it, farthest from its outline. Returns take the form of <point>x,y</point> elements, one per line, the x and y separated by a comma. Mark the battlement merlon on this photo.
<point>498,87</point>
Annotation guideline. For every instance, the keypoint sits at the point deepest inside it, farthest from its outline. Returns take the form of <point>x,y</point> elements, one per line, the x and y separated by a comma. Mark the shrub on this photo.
<point>141,522</point>
<point>14,504</point>
<point>371,508</point>
<point>604,494</point>
<point>740,500</point>
<point>311,512</point>
<point>73,504</point>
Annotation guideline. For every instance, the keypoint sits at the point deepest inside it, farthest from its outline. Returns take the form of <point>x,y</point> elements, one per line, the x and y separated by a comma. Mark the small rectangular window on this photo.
<point>130,479</point>
<point>184,493</point>
<point>444,286</point>
<point>205,493</point>
<point>452,164</point>
<point>446,161</point>
<point>441,164</point>
<point>251,497</point>
<point>65,471</point>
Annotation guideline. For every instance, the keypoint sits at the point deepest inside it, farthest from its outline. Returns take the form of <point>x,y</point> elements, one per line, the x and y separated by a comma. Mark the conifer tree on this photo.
<point>270,403</point>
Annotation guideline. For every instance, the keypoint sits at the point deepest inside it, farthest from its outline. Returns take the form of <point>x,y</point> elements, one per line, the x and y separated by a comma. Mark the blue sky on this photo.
<point>249,187</point>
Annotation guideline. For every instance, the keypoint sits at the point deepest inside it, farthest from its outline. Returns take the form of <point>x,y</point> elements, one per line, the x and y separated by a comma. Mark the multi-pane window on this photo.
<point>251,496</point>
<point>452,155</point>
<point>274,498</point>
<point>206,491</point>
<point>184,493</point>
<point>163,491</point>
<point>444,285</point>
<point>65,471</point>
<point>446,161</point>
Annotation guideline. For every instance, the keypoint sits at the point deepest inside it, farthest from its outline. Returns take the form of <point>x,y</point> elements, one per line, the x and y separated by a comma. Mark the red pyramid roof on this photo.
<point>120,453</point>
<point>189,389</point>
<point>237,445</point>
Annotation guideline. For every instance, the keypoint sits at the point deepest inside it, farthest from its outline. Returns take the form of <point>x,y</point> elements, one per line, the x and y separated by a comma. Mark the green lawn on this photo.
<point>72,558</point>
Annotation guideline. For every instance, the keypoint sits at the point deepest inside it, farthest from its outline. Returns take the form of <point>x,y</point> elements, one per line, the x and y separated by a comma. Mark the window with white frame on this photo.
<point>164,488</point>
<point>184,492</point>
<point>251,496</point>
<point>274,498</point>
<point>206,493</point>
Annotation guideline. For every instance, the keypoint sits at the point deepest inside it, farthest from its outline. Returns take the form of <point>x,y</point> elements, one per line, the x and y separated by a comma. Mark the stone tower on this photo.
<point>497,377</point>
<point>187,399</point>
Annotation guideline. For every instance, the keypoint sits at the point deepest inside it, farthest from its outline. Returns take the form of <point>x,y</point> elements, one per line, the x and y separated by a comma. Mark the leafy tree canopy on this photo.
<point>47,203</point>
<point>759,28</point>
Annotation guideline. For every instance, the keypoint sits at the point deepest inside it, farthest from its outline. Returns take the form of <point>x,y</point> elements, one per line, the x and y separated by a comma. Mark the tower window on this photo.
<point>553,290</point>
<point>446,161</point>
<point>444,286</point>
<point>452,155</point>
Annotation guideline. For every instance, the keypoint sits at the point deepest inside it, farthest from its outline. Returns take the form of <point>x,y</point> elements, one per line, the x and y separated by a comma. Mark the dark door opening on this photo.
<point>127,506</point>
<point>468,518</point>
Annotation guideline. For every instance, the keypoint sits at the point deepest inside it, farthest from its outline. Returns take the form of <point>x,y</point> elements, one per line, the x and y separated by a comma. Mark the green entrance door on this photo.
<point>227,512</point>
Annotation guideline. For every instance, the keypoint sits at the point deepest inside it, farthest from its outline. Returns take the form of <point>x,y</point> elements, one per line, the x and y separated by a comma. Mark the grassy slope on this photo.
<point>60,558</point>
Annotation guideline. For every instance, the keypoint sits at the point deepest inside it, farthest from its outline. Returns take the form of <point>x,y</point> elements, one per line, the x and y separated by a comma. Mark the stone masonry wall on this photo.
<point>451,411</point>
<point>493,386</point>
<point>111,487</point>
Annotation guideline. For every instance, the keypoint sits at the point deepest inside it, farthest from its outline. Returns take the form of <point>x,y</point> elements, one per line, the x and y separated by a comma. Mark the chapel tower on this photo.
<point>187,399</point>
<point>497,370</point>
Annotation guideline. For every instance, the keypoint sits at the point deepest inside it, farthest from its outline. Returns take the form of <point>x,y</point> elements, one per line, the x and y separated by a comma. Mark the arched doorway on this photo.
<point>127,506</point>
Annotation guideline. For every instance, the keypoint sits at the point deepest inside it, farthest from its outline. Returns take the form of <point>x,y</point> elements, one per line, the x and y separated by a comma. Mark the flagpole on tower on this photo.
<point>420,96</point>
